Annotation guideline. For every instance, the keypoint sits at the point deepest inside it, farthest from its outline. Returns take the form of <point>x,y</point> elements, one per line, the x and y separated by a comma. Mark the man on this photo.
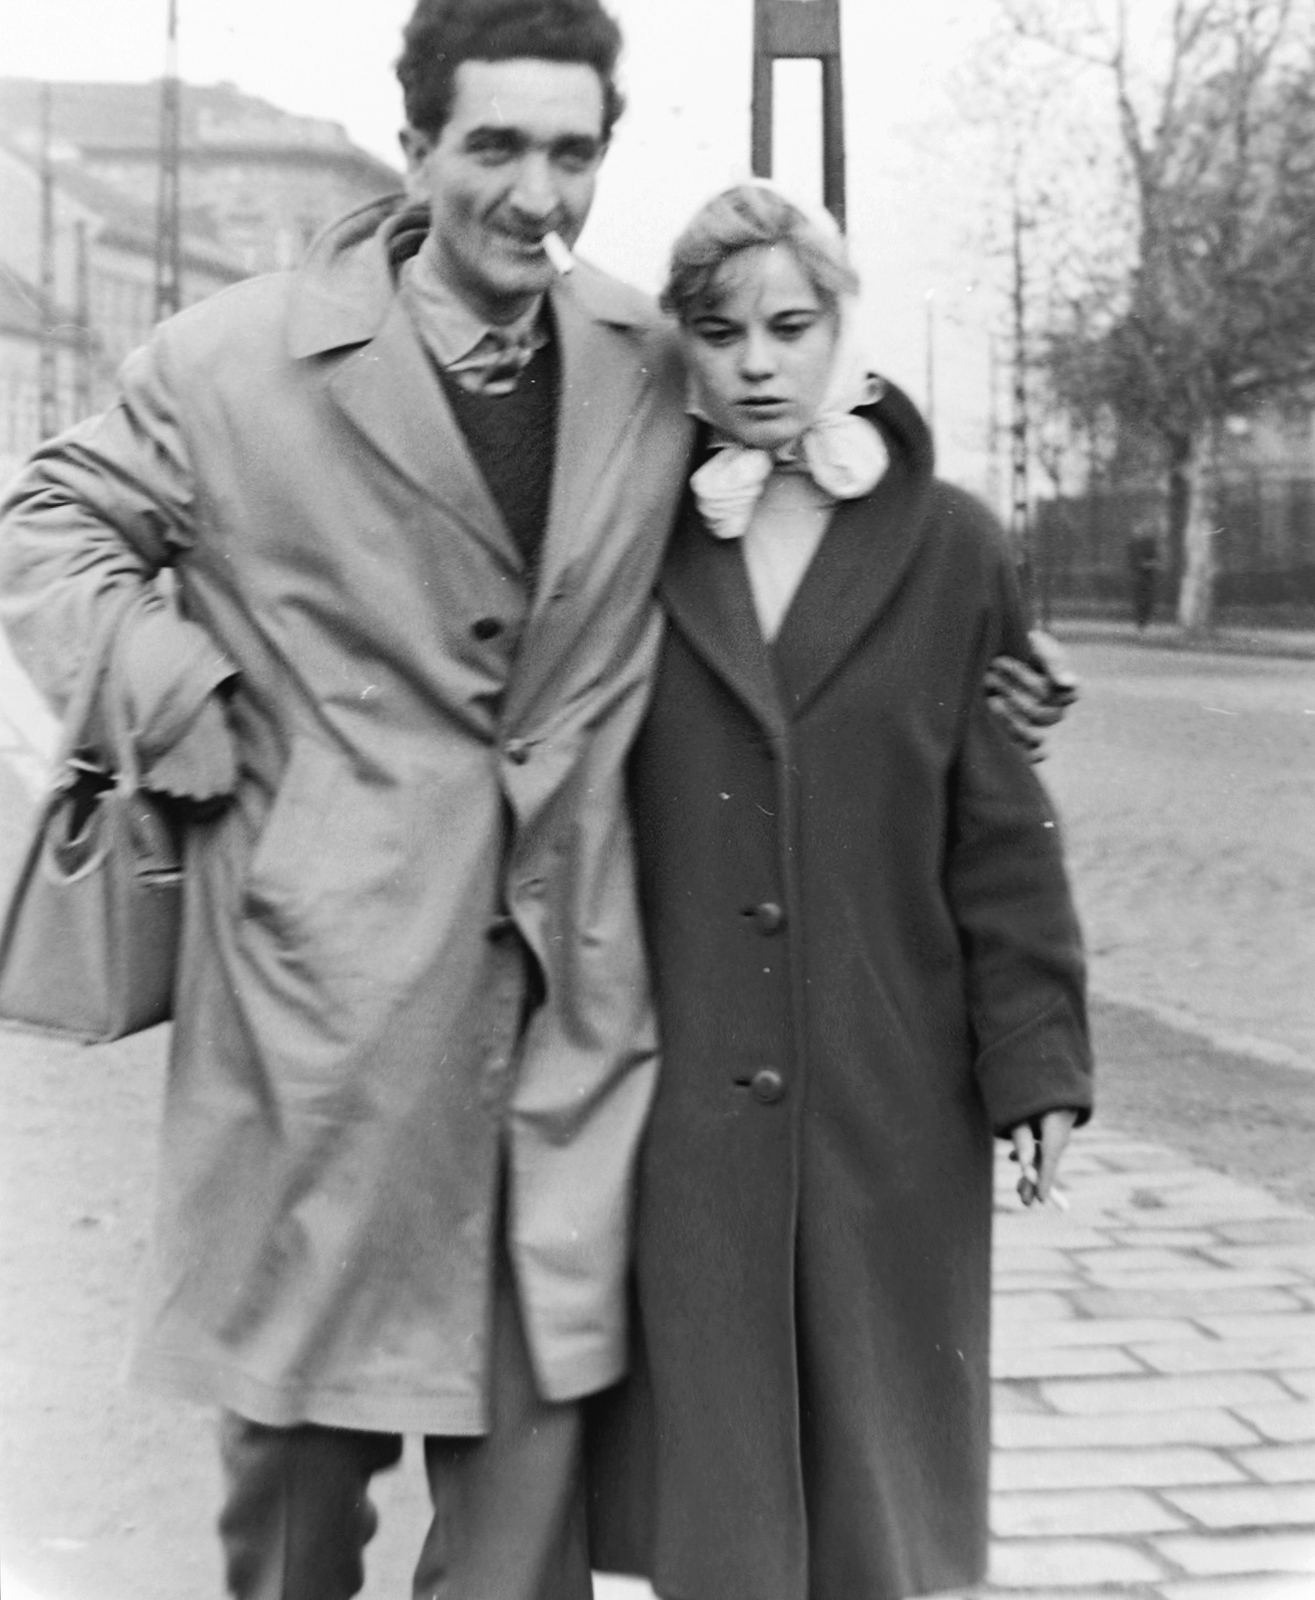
<point>1143,555</point>
<point>413,498</point>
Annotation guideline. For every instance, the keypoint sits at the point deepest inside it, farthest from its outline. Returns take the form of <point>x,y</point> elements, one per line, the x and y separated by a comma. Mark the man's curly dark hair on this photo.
<point>443,33</point>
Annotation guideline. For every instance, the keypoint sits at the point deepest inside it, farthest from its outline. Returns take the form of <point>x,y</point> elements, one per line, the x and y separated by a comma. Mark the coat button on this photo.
<point>768,917</point>
<point>516,751</point>
<point>767,1086</point>
<point>486,628</point>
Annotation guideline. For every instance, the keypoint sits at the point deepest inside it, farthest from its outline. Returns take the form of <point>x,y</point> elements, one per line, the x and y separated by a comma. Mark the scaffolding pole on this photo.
<point>82,396</point>
<point>168,235</point>
<point>1019,513</point>
<point>808,30</point>
<point>47,358</point>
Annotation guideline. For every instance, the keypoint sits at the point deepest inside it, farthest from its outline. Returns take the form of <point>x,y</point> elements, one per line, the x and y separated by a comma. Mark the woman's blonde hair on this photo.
<point>742,218</point>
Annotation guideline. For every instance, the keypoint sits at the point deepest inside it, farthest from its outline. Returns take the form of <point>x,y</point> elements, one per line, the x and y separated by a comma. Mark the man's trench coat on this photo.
<point>865,960</point>
<point>423,748</point>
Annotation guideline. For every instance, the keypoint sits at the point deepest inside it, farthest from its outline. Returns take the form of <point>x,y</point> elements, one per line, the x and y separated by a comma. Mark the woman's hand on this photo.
<point>1038,1148</point>
<point>1031,698</point>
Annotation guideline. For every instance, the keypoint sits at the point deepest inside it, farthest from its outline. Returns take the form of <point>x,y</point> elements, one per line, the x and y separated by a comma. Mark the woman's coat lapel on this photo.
<point>854,576</point>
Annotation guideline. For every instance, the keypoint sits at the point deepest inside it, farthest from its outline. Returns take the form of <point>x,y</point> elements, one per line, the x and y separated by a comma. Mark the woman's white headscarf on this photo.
<point>844,454</point>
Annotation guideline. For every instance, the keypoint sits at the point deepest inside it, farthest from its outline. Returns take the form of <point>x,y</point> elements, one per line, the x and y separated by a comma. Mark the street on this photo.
<point>1187,787</point>
<point>1186,784</point>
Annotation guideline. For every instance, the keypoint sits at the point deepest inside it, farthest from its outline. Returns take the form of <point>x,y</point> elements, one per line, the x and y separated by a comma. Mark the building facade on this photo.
<point>257,184</point>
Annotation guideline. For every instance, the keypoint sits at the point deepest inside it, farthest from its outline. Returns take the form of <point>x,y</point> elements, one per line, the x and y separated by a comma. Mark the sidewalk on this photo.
<point>1155,1387</point>
<point>28,730</point>
<point>1293,643</point>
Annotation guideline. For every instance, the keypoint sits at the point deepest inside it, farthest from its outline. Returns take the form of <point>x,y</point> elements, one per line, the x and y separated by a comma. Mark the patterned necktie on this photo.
<point>495,365</point>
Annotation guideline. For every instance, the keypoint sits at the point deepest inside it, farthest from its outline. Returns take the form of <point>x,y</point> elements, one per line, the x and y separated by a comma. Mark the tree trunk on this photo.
<point>1196,595</point>
<point>1179,499</point>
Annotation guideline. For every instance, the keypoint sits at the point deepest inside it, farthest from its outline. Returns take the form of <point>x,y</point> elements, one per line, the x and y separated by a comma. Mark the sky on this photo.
<point>915,206</point>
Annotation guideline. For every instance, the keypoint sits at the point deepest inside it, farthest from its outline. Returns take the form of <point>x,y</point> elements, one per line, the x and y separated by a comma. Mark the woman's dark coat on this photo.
<point>866,959</point>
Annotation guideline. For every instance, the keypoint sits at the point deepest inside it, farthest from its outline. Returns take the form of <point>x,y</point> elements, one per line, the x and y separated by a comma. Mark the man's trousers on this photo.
<point>508,1518</point>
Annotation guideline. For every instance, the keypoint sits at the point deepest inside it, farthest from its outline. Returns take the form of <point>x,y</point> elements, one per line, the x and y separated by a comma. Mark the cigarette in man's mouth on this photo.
<point>559,253</point>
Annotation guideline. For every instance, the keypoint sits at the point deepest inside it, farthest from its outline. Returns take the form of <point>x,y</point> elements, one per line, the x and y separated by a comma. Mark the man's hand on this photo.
<point>1032,697</point>
<point>1038,1147</point>
<point>202,766</point>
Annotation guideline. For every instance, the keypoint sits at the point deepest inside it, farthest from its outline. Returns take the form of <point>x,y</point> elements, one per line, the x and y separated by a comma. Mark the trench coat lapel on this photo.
<point>705,590</point>
<point>859,565</point>
<point>391,393</point>
<point>602,380</point>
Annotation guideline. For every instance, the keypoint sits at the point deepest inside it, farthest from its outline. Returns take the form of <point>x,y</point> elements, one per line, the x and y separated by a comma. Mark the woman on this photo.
<point>866,963</point>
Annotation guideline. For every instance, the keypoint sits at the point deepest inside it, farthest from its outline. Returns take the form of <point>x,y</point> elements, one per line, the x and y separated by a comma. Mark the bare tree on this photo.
<point>1214,307</point>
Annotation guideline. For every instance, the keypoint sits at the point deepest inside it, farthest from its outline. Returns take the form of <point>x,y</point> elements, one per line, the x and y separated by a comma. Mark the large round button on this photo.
<point>767,1086</point>
<point>485,628</point>
<point>768,918</point>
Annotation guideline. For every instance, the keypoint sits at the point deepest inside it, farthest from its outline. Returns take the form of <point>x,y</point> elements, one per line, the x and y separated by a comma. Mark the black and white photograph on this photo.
<point>657,800</point>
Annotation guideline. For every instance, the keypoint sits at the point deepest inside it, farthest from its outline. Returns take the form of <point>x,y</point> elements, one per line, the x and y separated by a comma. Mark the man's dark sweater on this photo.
<point>513,439</point>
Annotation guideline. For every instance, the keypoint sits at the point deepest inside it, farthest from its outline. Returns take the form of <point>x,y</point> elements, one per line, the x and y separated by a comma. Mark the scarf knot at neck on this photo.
<point>843,454</point>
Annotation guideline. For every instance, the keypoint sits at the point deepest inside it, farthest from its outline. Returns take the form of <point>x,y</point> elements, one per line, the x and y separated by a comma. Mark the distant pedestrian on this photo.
<point>1143,564</point>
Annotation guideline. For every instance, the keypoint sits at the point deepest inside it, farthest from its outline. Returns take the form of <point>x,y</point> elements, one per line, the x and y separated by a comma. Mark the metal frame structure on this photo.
<point>168,243</point>
<point>792,30</point>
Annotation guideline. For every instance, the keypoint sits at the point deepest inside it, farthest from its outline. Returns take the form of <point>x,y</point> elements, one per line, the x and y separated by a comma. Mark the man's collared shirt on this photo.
<point>480,357</point>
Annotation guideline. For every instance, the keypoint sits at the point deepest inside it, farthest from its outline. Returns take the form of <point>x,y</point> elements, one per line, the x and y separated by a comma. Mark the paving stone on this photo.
<point>1296,1255</point>
<point>1223,1355</point>
<point>1276,1230</point>
<point>1081,1511</point>
<point>1253,1587</point>
<point>1224,1301</point>
<point>1124,1592</point>
<point>1280,1463</point>
<point>1034,1564</point>
<point>1274,1324</point>
<point>1031,1258</point>
<point>1263,1553</point>
<point>1046,1431</point>
<point>1184,1211</point>
<point>1005,1282</point>
<point>1168,1237</point>
<point>1146,1158</point>
<point>1249,1505</point>
<point>1047,1231</point>
<point>1110,1469</point>
<point>1098,1330</point>
<point>1039,1361</point>
<point>1287,1421</point>
<point>1204,1275</point>
<point>1017,1399</point>
<point>1133,1259</point>
<point>1150,1224</point>
<point>1039,1308</point>
<point>609,1587</point>
<point>1102,1396</point>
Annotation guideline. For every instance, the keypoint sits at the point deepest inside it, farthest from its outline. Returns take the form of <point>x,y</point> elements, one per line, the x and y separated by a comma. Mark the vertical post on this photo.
<point>992,425</point>
<point>47,358</point>
<point>82,311</point>
<point>1019,520</point>
<point>168,222</point>
<point>786,30</point>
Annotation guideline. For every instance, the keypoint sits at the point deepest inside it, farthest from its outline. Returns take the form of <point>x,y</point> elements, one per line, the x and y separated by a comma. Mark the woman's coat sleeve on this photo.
<point>1006,881</point>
